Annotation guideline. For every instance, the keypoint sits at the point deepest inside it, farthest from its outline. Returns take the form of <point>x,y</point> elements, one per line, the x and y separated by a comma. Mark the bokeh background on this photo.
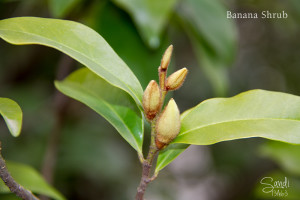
<point>84,157</point>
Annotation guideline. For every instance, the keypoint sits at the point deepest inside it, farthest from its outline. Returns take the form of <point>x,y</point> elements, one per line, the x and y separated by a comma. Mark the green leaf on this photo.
<point>286,155</point>
<point>168,155</point>
<point>12,115</point>
<point>78,41</point>
<point>30,179</point>
<point>214,39</point>
<point>150,16</point>
<point>60,8</point>
<point>107,21</point>
<point>113,104</point>
<point>256,113</point>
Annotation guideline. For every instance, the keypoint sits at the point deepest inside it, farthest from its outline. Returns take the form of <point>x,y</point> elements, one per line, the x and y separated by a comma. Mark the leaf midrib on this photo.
<point>90,59</point>
<point>229,121</point>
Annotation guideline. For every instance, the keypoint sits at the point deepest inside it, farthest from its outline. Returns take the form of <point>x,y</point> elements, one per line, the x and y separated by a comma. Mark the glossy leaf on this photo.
<point>61,8</point>
<point>286,155</point>
<point>150,16</point>
<point>78,41</point>
<point>113,104</point>
<point>256,113</point>
<point>12,114</point>
<point>214,39</point>
<point>30,179</point>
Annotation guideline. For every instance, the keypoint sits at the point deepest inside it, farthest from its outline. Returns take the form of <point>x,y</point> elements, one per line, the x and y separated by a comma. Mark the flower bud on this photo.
<point>166,58</point>
<point>175,80</point>
<point>168,125</point>
<point>151,100</point>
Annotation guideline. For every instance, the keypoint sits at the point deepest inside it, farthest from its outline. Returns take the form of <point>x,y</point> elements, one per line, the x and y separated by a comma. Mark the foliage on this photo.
<point>213,39</point>
<point>256,99</point>
<point>110,88</point>
<point>23,174</point>
<point>261,117</point>
<point>12,115</point>
<point>286,155</point>
<point>66,36</point>
<point>30,179</point>
<point>114,105</point>
<point>150,16</point>
<point>61,8</point>
<point>255,113</point>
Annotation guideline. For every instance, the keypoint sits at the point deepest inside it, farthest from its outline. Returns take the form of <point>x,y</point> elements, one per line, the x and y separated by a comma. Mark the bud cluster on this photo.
<point>168,121</point>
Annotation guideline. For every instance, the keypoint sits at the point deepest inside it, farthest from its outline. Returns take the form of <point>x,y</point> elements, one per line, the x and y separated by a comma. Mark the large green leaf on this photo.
<point>256,113</point>
<point>78,41</point>
<point>214,38</point>
<point>150,16</point>
<point>113,104</point>
<point>12,115</point>
<point>30,179</point>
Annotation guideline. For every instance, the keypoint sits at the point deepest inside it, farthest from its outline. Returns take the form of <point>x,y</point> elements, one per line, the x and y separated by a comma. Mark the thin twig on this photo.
<point>147,164</point>
<point>9,181</point>
<point>146,179</point>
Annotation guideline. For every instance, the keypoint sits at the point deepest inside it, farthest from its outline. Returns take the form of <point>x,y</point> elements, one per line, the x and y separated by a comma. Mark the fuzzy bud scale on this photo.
<point>175,80</point>
<point>168,125</point>
<point>166,58</point>
<point>151,100</point>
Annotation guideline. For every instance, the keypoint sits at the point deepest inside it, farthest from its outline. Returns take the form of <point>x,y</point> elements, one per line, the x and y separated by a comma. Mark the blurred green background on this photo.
<point>85,158</point>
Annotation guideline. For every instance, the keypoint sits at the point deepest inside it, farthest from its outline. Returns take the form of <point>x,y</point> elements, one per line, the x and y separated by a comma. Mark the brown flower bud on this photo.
<point>166,58</point>
<point>168,125</point>
<point>175,80</point>
<point>151,100</point>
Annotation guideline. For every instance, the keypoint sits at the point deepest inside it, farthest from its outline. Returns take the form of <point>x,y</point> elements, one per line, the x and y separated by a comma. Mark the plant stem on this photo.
<point>9,181</point>
<point>147,164</point>
<point>162,73</point>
